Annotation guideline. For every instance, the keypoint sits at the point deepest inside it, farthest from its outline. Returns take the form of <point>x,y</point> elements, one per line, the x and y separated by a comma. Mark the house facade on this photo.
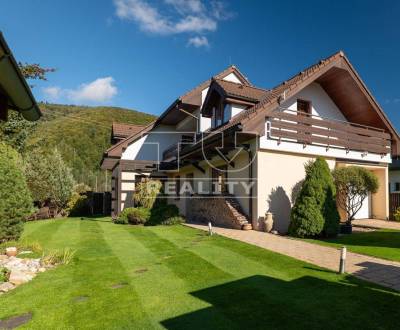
<point>229,152</point>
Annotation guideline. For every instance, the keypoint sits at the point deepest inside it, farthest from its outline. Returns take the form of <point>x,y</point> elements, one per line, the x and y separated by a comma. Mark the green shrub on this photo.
<point>4,274</point>
<point>162,212</point>
<point>138,216</point>
<point>15,202</point>
<point>173,221</point>
<point>353,184</point>
<point>396,214</point>
<point>78,205</point>
<point>133,215</point>
<point>315,212</point>
<point>146,192</point>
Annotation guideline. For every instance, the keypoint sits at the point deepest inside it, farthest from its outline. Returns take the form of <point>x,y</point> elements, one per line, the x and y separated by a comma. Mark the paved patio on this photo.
<point>379,224</point>
<point>383,272</point>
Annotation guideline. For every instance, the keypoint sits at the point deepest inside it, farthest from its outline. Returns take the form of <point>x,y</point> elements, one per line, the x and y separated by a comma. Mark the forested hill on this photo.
<point>81,134</point>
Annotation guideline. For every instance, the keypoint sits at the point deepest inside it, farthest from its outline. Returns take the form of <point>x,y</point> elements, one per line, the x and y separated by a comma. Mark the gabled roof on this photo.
<point>235,90</point>
<point>192,97</point>
<point>120,131</point>
<point>340,80</point>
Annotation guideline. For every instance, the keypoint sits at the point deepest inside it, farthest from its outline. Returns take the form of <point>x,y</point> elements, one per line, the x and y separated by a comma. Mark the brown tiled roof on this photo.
<point>235,90</point>
<point>273,94</point>
<point>194,95</point>
<point>124,130</point>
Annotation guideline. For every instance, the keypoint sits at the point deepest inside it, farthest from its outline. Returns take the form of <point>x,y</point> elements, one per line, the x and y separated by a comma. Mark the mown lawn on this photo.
<point>126,277</point>
<point>383,243</point>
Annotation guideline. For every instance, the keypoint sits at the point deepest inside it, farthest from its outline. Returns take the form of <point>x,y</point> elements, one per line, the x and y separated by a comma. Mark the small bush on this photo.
<point>173,221</point>
<point>138,216</point>
<point>396,214</point>
<point>133,215</point>
<point>162,212</point>
<point>58,257</point>
<point>4,274</point>
<point>78,205</point>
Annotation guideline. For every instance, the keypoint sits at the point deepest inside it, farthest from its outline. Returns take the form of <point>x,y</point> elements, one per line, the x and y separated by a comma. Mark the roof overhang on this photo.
<point>13,85</point>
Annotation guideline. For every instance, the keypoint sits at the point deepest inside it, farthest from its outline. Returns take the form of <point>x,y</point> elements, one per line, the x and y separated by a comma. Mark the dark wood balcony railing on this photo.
<point>313,130</point>
<point>172,151</point>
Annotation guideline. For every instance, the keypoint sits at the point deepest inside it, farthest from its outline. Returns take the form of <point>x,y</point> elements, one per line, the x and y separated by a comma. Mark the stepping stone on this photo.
<point>15,321</point>
<point>6,286</point>
<point>80,298</point>
<point>119,285</point>
<point>140,271</point>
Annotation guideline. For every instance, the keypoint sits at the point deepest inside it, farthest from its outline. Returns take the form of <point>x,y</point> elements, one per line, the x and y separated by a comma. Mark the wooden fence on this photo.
<point>394,203</point>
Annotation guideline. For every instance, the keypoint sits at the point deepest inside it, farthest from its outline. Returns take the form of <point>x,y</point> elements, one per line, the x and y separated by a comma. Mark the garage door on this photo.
<point>365,211</point>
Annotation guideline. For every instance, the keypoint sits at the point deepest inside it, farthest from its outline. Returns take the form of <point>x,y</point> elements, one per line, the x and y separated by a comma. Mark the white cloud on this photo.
<point>187,16</point>
<point>98,91</point>
<point>52,93</point>
<point>198,42</point>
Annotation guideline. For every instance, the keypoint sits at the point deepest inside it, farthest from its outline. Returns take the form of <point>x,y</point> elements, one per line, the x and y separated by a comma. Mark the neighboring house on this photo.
<point>242,149</point>
<point>120,131</point>
<point>15,93</point>
<point>394,175</point>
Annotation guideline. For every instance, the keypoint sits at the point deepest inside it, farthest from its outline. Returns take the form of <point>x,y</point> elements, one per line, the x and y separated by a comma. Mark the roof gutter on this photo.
<point>14,85</point>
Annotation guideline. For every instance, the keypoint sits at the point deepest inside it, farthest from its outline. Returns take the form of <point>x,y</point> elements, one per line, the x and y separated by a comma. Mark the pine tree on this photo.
<point>15,198</point>
<point>315,212</point>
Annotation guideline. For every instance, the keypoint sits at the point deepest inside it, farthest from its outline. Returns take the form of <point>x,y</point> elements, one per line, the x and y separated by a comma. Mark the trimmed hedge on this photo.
<point>133,216</point>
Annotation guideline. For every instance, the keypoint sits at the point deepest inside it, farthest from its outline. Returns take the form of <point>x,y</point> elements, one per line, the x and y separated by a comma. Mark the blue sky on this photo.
<point>143,54</point>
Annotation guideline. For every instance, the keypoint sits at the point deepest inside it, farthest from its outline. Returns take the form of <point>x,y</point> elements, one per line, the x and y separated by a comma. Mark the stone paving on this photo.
<point>380,224</point>
<point>379,271</point>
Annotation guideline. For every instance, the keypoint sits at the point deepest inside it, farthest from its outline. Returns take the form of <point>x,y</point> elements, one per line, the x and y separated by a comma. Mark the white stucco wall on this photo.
<point>321,103</point>
<point>233,78</point>
<point>152,145</point>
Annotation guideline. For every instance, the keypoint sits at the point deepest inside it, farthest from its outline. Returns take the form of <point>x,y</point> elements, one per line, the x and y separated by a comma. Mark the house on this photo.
<point>120,131</point>
<point>15,93</point>
<point>229,151</point>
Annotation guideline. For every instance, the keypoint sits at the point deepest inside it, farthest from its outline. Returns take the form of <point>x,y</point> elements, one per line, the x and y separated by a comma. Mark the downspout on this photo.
<point>250,154</point>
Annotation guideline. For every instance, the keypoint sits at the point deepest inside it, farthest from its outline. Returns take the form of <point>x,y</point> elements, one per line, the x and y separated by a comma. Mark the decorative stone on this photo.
<point>11,251</point>
<point>3,257</point>
<point>18,277</point>
<point>275,232</point>
<point>42,270</point>
<point>7,286</point>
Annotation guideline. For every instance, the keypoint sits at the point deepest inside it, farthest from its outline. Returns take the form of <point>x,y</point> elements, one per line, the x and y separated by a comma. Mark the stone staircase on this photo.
<point>237,212</point>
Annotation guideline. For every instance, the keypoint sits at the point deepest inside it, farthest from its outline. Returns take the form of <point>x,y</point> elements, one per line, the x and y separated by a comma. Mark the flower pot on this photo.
<point>11,251</point>
<point>268,222</point>
<point>346,229</point>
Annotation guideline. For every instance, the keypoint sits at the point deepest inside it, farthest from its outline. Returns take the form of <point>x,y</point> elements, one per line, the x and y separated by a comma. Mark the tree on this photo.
<point>353,184</point>
<point>314,212</point>
<point>49,179</point>
<point>16,129</point>
<point>15,198</point>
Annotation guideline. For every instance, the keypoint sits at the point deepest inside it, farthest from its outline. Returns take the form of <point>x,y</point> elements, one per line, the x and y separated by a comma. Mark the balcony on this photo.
<point>172,151</point>
<point>307,129</point>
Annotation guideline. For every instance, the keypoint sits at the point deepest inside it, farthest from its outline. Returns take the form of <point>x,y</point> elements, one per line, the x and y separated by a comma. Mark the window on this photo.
<point>227,113</point>
<point>303,107</point>
<point>397,186</point>
<point>218,116</point>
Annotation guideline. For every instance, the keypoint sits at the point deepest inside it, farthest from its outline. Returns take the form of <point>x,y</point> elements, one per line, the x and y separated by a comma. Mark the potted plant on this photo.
<point>353,184</point>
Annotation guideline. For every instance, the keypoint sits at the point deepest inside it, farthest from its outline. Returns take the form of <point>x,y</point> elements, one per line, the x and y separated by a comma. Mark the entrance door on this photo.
<point>219,176</point>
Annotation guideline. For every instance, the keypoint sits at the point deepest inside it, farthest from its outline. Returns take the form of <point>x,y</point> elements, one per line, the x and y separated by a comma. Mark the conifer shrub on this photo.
<point>15,198</point>
<point>315,212</point>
